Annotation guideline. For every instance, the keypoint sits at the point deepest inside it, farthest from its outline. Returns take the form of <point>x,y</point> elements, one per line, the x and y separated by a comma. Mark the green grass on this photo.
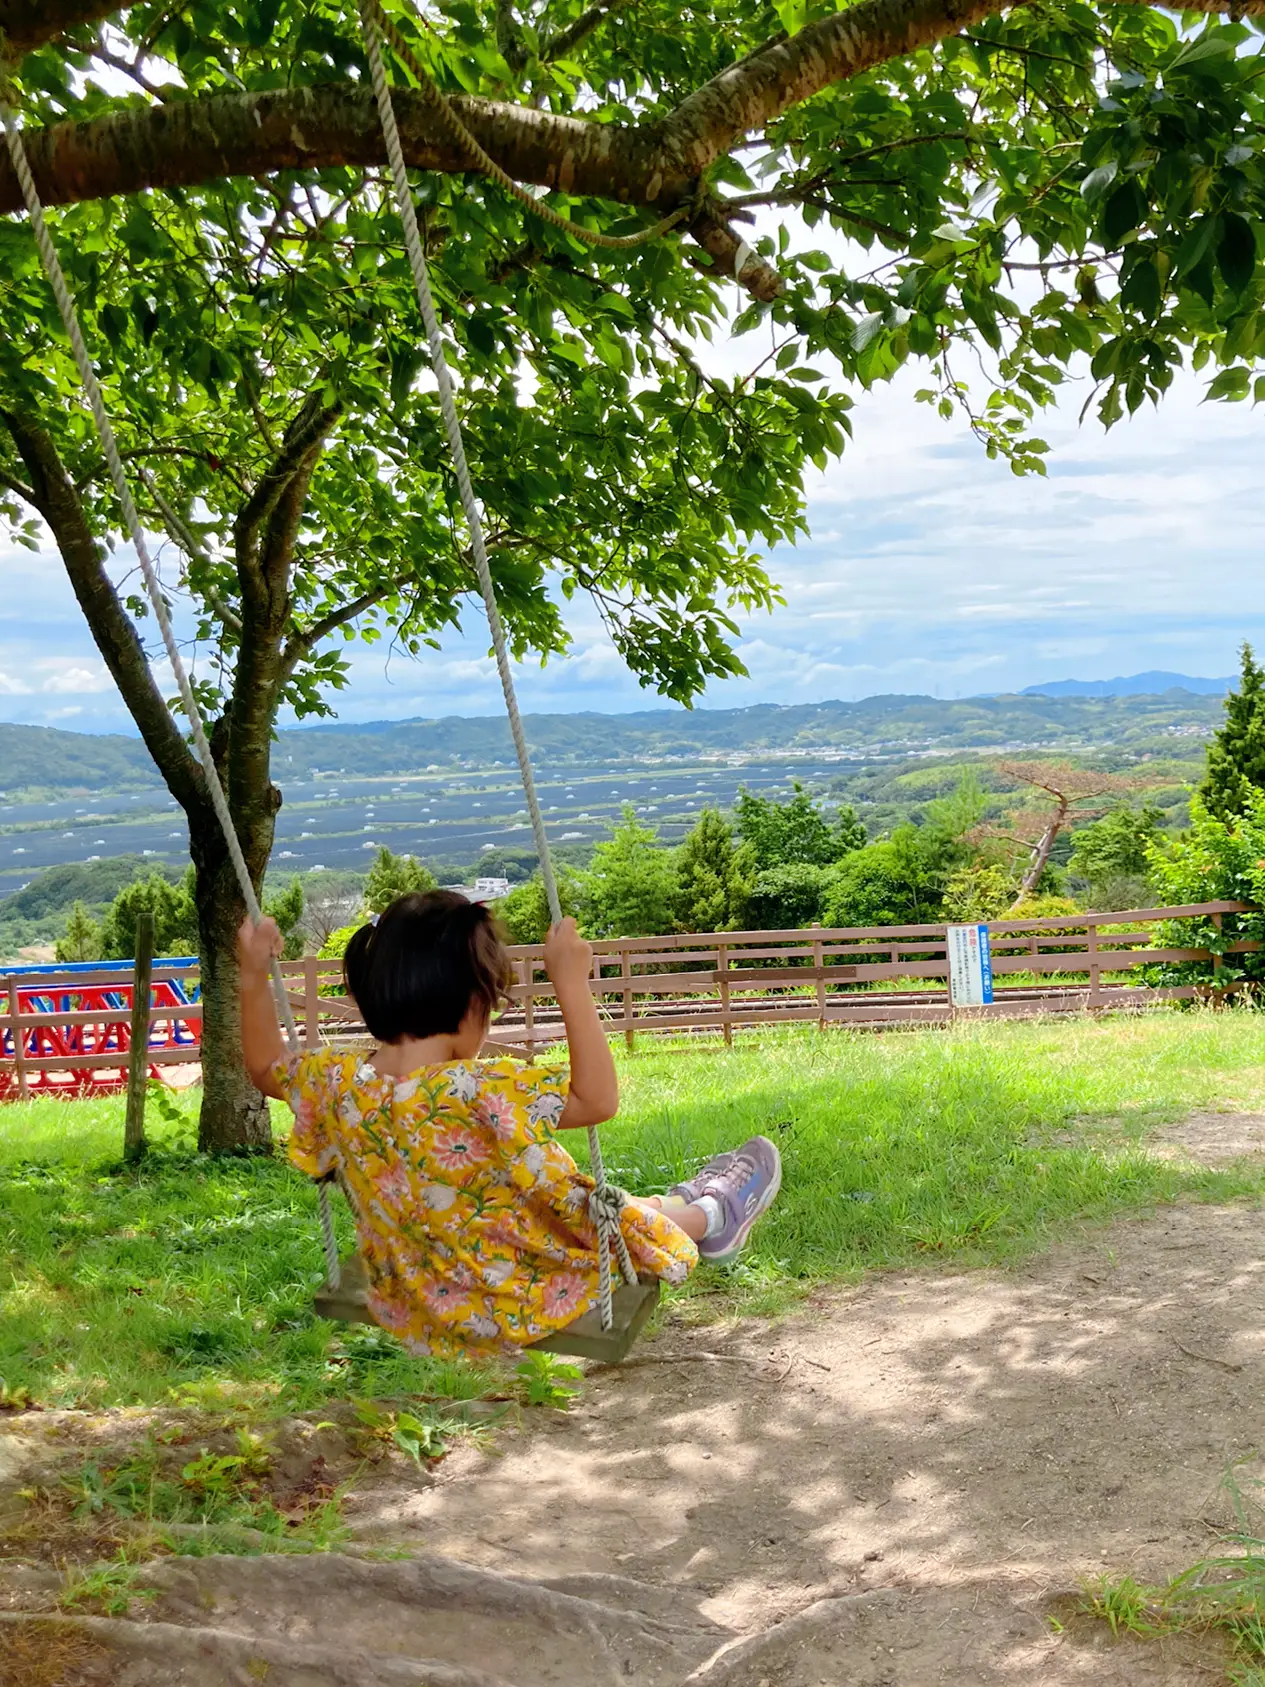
<point>190,1280</point>
<point>1221,1595</point>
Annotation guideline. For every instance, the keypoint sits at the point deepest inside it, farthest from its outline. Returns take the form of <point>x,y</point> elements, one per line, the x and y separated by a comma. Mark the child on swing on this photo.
<point>472,1218</point>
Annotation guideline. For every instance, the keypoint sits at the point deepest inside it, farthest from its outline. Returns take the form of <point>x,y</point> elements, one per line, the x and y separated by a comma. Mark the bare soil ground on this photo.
<point>898,1487</point>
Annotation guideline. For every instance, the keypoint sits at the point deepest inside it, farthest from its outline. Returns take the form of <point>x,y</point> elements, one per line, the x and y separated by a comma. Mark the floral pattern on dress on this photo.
<point>471,1216</point>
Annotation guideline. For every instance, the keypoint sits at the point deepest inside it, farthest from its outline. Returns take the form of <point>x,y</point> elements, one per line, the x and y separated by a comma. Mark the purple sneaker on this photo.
<point>745,1190</point>
<point>697,1185</point>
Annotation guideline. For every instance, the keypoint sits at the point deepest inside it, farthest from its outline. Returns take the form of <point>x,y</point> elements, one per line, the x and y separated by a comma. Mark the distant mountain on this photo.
<point>875,729</point>
<point>1153,684</point>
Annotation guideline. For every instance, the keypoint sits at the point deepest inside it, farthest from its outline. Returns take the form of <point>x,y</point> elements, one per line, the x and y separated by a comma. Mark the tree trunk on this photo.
<point>234,1116</point>
<point>1041,853</point>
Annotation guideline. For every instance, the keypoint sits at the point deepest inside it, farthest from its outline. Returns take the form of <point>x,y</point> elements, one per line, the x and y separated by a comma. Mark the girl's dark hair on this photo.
<point>428,959</point>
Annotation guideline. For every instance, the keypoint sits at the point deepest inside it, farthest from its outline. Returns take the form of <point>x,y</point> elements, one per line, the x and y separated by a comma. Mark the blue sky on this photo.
<point>929,569</point>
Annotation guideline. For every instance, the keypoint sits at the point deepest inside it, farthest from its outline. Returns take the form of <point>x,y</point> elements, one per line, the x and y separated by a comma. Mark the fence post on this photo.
<point>625,970</point>
<point>1218,961</point>
<point>19,1050</point>
<point>722,967</point>
<point>311,1003</point>
<point>819,960</point>
<point>1095,971</point>
<point>527,975</point>
<point>138,1054</point>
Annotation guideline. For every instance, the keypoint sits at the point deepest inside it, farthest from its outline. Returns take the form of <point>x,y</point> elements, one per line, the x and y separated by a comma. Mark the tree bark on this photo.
<point>256,134</point>
<point>234,1117</point>
<point>1041,851</point>
<point>187,142</point>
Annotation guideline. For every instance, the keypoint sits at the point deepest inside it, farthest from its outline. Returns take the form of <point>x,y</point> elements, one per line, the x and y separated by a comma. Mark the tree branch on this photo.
<point>189,142</point>
<point>305,433</point>
<point>28,24</point>
<point>13,484</point>
<point>568,39</point>
<point>183,535</point>
<point>746,97</point>
<point>112,629</point>
<point>303,641</point>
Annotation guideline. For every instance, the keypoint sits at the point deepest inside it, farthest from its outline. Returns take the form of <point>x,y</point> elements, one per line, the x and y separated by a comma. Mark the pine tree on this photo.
<point>81,940</point>
<point>1236,755</point>
<point>392,876</point>
<point>709,884</point>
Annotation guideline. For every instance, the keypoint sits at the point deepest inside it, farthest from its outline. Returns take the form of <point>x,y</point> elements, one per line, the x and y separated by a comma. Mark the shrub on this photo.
<point>787,898</point>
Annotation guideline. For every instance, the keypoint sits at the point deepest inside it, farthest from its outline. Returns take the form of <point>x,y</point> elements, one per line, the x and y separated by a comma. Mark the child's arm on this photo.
<point>262,1043</point>
<point>594,1092</point>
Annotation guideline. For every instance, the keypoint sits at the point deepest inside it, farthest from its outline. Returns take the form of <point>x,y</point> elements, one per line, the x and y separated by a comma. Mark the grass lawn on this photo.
<point>190,1280</point>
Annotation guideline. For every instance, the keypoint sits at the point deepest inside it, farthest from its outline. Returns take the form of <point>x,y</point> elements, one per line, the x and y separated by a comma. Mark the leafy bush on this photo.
<point>978,893</point>
<point>1215,861</point>
<point>524,913</point>
<point>786,898</point>
<point>335,945</point>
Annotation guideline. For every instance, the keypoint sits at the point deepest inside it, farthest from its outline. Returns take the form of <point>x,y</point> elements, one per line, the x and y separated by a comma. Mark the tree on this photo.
<point>1069,794</point>
<point>630,887</point>
<point>252,320</point>
<point>81,940</point>
<point>330,900</point>
<point>286,907</point>
<point>395,875</point>
<point>898,881</point>
<point>1112,855</point>
<point>1213,861</point>
<point>1236,755</point>
<point>780,833</point>
<point>173,912</point>
<point>787,898</point>
<point>711,889</point>
<point>525,911</point>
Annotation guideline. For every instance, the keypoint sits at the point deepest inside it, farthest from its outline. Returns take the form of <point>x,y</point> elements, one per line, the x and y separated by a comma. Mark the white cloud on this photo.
<point>75,679</point>
<point>927,568</point>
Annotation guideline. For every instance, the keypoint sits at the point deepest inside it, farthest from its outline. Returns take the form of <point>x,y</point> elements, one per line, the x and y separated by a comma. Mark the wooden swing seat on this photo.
<point>631,1306</point>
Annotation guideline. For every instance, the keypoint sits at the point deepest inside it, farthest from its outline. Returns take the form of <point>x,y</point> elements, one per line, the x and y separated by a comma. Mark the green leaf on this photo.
<point>1195,245</point>
<point>1230,384</point>
<point>1236,251</point>
<point>1200,51</point>
<point>1098,181</point>
<point>1123,212</point>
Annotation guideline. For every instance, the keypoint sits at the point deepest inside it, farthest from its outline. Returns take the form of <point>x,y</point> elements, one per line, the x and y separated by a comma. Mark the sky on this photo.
<point>928,569</point>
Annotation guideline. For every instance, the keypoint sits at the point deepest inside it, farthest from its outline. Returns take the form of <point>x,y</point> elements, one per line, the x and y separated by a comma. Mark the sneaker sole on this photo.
<point>731,1253</point>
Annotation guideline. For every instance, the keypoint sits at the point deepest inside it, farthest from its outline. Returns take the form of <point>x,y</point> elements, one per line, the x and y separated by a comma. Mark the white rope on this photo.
<point>153,586</point>
<point>606,1201</point>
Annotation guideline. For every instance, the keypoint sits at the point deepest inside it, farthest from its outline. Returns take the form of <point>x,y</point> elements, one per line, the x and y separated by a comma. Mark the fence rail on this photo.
<point>68,1031</point>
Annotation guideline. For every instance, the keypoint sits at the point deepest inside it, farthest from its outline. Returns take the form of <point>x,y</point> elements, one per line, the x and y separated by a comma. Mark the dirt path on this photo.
<point>891,1489</point>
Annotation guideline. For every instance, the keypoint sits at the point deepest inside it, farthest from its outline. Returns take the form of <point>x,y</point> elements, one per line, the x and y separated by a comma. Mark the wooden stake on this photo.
<point>134,1143</point>
<point>311,1002</point>
<point>722,967</point>
<point>625,968</point>
<point>19,1052</point>
<point>819,962</point>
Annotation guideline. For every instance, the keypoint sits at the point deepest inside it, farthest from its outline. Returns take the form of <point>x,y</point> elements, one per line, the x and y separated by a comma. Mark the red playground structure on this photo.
<point>75,1030</point>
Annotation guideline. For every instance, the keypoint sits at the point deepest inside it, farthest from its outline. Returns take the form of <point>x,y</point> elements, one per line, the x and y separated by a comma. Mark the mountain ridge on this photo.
<point>1154,683</point>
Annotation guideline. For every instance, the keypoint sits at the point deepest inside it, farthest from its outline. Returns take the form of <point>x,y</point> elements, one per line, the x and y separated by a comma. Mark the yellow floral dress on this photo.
<point>472,1218</point>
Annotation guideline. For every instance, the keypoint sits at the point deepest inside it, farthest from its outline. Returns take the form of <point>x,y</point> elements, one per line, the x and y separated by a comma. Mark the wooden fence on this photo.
<point>864,977</point>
